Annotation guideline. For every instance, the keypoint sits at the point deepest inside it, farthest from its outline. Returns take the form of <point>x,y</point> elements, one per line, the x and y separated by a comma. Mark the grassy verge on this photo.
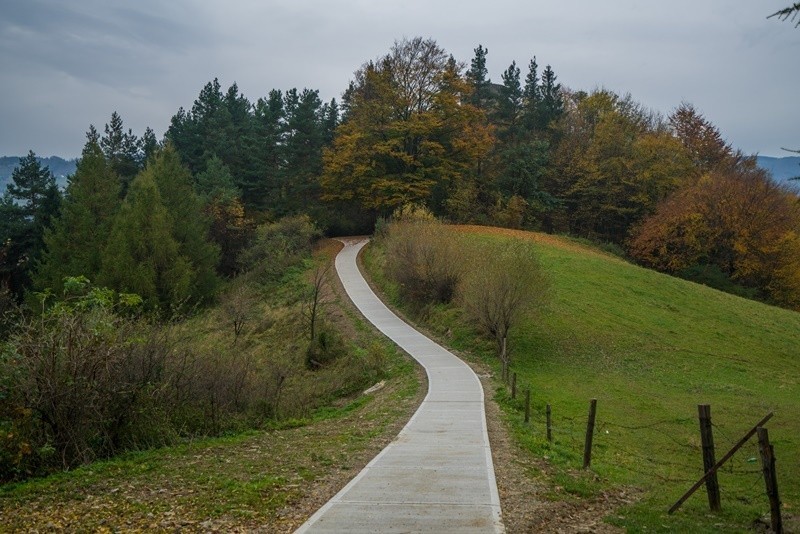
<point>649,348</point>
<point>270,480</point>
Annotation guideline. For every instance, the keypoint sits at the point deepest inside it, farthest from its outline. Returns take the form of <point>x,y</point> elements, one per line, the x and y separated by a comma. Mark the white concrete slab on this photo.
<point>437,475</point>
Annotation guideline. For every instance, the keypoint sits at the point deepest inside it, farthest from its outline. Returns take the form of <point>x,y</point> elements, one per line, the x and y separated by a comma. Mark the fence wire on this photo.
<point>666,450</point>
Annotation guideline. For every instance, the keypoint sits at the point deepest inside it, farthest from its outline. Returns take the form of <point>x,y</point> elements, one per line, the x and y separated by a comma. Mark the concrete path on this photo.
<point>437,475</point>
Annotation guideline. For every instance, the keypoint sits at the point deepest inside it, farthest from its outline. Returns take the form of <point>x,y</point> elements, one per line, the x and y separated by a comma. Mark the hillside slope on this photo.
<point>650,348</point>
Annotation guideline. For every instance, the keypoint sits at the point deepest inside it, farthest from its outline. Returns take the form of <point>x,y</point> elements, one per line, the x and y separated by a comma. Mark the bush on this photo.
<point>422,256</point>
<point>504,281</point>
<point>276,246</point>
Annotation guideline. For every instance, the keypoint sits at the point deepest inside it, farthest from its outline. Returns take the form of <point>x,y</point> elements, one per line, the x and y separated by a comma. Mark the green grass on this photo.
<point>269,479</point>
<point>650,348</point>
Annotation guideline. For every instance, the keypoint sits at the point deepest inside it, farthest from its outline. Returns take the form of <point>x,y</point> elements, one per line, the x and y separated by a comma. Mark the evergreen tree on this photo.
<point>532,96</point>
<point>238,149</point>
<point>30,203</point>
<point>477,76</point>
<point>510,104</point>
<point>75,243</point>
<point>202,132</point>
<point>330,120</point>
<point>222,205</point>
<point>269,127</point>
<point>303,151</point>
<point>552,103</point>
<point>30,186</point>
<point>121,148</point>
<point>13,246</point>
<point>141,256</point>
<point>188,226</point>
<point>148,146</point>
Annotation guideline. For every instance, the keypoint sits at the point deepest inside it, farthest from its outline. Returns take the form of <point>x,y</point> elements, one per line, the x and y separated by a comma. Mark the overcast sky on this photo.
<point>67,64</point>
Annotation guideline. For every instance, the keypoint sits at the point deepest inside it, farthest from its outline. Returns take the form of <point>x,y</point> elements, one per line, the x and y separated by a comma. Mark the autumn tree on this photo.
<point>504,282</point>
<point>740,222</point>
<point>703,141</point>
<point>410,130</point>
<point>614,163</point>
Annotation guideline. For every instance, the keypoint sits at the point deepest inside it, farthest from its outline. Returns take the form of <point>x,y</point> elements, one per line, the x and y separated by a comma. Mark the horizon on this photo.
<point>67,66</point>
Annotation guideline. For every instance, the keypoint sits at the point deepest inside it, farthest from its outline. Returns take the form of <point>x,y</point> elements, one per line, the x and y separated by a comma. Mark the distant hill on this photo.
<point>60,167</point>
<point>782,169</point>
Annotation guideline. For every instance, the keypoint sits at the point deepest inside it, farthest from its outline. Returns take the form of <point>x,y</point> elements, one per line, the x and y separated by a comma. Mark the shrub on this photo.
<point>279,245</point>
<point>504,281</point>
<point>422,256</point>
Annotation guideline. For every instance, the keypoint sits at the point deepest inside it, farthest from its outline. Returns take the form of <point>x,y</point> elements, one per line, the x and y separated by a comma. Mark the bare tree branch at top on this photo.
<point>788,13</point>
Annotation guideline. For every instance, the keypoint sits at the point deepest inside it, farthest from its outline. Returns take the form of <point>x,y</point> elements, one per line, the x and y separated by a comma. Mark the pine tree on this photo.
<point>263,190</point>
<point>141,256</point>
<point>31,201</point>
<point>222,205</point>
<point>302,151</point>
<point>75,243</point>
<point>552,104</point>
<point>532,96</point>
<point>510,104</point>
<point>188,226</point>
<point>29,186</point>
<point>121,148</point>
<point>148,146</point>
<point>477,76</point>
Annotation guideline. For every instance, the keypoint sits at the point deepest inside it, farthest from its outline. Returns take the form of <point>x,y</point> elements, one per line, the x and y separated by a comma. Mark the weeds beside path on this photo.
<point>265,481</point>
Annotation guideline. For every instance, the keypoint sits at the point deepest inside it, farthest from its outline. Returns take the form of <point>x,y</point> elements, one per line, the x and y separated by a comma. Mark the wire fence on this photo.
<point>667,451</point>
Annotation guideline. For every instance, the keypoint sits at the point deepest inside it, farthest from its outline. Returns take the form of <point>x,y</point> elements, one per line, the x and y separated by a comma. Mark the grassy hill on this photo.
<point>650,348</point>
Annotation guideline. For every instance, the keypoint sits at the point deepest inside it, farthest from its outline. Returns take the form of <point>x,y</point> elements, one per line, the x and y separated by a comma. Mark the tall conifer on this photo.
<point>75,243</point>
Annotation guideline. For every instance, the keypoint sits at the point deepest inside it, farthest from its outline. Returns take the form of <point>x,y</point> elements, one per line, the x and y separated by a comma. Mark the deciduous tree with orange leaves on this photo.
<point>737,220</point>
<point>408,130</point>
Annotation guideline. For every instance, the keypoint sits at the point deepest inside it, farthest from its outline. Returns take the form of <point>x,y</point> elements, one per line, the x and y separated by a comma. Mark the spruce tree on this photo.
<point>148,146</point>
<point>141,256</point>
<point>303,151</point>
<point>121,148</point>
<point>510,105</point>
<point>187,224</point>
<point>75,243</point>
<point>477,76</point>
<point>551,106</point>
<point>31,201</point>
<point>532,96</point>
<point>30,185</point>
<point>263,190</point>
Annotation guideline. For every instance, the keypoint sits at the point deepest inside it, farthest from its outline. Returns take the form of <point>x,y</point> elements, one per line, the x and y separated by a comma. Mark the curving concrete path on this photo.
<point>437,475</point>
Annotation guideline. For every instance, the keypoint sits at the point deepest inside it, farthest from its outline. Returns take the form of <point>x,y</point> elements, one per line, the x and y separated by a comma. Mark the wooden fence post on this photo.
<point>707,440</point>
<point>587,446</point>
<point>549,425</point>
<point>528,405</point>
<point>728,455</point>
<point>514,386</point>
<point>770,479</point>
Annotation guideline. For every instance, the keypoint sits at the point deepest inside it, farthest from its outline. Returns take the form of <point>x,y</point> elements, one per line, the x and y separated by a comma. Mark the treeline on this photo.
<point>418,127</point>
